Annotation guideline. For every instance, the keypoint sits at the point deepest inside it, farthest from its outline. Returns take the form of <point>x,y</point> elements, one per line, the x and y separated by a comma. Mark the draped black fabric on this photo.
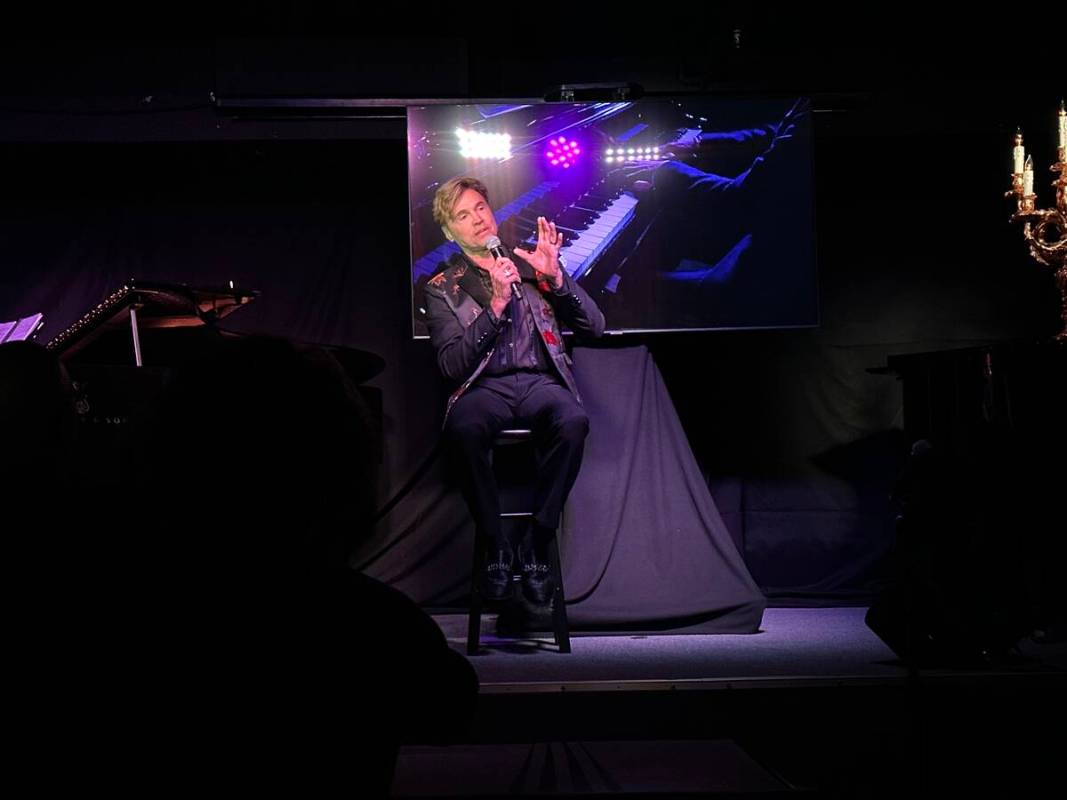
<point>644,544</point>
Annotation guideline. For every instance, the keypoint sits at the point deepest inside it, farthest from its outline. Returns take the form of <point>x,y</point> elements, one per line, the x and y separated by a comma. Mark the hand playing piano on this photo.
<point>785,128</point>
<point>638,177</point>
<point>545,258</point>
<point>684,151</point>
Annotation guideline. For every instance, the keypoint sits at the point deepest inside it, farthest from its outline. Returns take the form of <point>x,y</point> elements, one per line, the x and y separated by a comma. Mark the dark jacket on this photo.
<point>464,334</point>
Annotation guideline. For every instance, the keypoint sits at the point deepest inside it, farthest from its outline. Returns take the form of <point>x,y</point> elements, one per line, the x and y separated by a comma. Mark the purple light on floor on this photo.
<point>562,151</point>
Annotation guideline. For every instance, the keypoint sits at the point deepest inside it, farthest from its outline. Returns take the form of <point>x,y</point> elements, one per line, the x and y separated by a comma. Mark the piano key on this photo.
<point>581,256</point>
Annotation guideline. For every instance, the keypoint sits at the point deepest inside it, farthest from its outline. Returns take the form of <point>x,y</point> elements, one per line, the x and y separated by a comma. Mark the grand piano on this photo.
<point>121,353</point>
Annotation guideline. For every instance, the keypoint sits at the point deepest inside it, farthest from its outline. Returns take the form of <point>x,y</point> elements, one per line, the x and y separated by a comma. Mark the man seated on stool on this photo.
<point>494,323</point>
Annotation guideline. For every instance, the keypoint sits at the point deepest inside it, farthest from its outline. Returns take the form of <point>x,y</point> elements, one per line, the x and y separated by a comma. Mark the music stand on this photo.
<point>20,329</point>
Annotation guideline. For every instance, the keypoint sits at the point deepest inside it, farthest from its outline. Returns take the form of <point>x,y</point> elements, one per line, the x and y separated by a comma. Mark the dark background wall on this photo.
<point>116,163</point>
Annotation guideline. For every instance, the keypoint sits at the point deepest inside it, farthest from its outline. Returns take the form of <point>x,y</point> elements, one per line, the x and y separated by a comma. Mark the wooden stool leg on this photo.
<point>474,613</point>
<point>560,626</point>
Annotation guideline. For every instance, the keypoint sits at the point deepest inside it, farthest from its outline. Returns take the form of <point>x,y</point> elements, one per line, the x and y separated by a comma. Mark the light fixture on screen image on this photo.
<point>562,152</point>
<point>475,144</point>
<point>623,154</point>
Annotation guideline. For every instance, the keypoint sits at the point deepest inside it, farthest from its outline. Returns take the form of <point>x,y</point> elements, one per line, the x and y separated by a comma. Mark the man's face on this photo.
<point>472,221</point>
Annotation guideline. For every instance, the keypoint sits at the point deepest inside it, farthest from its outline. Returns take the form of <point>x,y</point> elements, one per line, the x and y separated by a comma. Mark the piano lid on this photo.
<point>158,305</point>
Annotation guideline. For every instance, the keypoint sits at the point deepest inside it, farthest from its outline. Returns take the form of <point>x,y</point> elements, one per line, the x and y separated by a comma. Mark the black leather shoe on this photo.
<point>498,575</point>
<point>537,584</point>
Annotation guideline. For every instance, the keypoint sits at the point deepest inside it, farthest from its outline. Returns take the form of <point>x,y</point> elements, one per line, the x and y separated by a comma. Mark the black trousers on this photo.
<point>533,400</point>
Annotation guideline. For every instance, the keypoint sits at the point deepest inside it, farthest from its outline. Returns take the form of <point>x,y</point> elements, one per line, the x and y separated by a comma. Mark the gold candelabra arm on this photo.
<point>1044,230</point>
<point>1061,182</point>
<point>1047,237</point>
<point>1026,208</point>
<point>1016,185</point>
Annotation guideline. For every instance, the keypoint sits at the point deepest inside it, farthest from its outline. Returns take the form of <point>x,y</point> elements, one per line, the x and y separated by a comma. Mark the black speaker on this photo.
<point>955,592</point>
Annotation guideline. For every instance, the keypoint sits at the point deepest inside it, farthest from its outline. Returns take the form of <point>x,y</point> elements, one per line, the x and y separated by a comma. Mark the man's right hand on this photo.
<point>503,273</point>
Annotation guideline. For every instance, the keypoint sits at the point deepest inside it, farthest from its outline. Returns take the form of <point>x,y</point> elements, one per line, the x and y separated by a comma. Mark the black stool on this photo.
<point>560,628</point>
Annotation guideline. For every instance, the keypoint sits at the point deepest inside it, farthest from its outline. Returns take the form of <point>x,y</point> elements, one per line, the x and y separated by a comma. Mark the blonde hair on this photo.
<point>448,193</point>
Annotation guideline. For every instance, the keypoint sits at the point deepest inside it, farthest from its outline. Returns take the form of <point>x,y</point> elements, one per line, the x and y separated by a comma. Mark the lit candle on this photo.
<point>1028,177</point>
<point>1018,153</point>
<point>1063,126</point>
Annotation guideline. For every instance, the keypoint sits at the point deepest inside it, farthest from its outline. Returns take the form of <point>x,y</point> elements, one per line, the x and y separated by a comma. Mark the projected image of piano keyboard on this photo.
<point>589,224</point>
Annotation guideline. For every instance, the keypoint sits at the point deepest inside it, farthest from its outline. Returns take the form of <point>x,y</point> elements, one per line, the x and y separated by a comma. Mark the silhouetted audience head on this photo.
<point>207,611</point>
<point>263,451</point>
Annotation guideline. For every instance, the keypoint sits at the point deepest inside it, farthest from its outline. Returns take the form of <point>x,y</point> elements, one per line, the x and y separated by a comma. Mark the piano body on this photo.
<point>121,354</point>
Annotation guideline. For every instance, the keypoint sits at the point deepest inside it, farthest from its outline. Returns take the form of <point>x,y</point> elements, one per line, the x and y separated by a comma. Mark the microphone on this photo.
<point>496,249</point>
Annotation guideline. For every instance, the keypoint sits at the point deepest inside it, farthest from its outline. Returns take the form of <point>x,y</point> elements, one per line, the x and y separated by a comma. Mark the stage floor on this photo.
<point>794,647</point>
<point>815,703</point>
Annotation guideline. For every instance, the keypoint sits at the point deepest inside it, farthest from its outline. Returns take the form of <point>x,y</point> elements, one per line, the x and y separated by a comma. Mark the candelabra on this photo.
<point>1045,230</point>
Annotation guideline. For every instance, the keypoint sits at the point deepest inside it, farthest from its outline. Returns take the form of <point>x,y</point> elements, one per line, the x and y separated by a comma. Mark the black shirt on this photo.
<point>518,345</point>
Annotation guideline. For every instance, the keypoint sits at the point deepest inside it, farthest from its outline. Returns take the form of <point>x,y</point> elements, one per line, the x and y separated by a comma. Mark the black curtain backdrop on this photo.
<point>797,440</point>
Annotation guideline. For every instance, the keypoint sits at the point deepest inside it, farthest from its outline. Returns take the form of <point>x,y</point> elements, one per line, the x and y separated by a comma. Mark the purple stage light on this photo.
<point>562,152</point>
